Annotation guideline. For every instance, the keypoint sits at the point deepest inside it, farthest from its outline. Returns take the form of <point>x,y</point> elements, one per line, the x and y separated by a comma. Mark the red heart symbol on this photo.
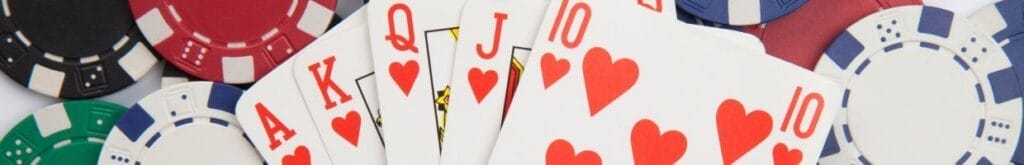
<point>482,82</point>
<point>348,127</point>
<point>739,132</point>
<point>552,69</point>
<point>404,75</point>
<point>784,156</point>
<point>561,152</point>
<point>299,157</point>
<point>651,147</point>
<point>606,81</point>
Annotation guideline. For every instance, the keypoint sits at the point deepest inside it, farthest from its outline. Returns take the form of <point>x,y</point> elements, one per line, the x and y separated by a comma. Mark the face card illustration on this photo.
<point>440,54</point>
<point>598,92</point>
<point>367,85</point>
<point>326,74</point>
<point>491,34</point>
<point>272,113</point>
<point>408,67</point>
<point>515,73</point>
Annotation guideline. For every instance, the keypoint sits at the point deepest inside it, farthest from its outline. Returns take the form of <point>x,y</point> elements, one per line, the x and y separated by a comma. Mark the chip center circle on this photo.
<point>912,98</point>
<point>208,142</point>
<point>233,21</point>
<point>81,28</point>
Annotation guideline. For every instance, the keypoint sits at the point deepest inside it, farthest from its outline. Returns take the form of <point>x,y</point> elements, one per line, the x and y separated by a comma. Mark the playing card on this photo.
<point>613,82</point>
<point>272,114</point>
<point>413,44</point>
<point>328,75</point>
<point>485,73</point>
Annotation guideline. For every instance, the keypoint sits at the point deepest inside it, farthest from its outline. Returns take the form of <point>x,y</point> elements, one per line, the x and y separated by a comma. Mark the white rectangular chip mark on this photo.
<point>120,43</point>
<point>153,23</point>
<point>7,8</point>
<point>23,39</point>
<point>95,140</point>
<point>238,69</point>
<point>174,13</point>
<point>236,44</point>
<point>90,59</point>
<point>46,81</point>
<point>744,11</point>
<point>52,119</point>
<point>201,37</point>
<point>53,57</point>
<point>137,62</point>
<point>291,8</point>
<point>315,19</point>
<point>266,36</point>
<point>62,143</point>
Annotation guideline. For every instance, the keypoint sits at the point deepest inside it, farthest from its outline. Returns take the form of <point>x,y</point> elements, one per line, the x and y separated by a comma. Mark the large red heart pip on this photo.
<point>404,75</point>
<point>651,147</point>
<point>299,157</point>
<point>738,131</point>
<point>482,82</point>
<point>561,152</point>
<point>348,127</point>
<point>552,69</point>
<point>606,80</point>
<point>782,155</point>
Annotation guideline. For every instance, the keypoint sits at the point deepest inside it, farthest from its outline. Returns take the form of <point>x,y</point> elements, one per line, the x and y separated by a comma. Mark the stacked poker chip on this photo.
<point>302,82</point>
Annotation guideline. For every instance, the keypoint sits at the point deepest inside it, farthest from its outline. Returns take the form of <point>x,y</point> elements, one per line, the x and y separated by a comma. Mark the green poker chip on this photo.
<point>66,133</point>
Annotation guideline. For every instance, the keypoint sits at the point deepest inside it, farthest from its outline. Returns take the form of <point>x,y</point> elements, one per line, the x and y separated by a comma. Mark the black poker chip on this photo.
<point>72,48</point>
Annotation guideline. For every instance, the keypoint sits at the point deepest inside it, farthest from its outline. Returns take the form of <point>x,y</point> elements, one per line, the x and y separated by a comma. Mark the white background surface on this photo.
<point>18,102</point>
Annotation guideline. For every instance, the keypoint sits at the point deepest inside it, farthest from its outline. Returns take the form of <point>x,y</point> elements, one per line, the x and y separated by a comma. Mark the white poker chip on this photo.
<point>923,86</point>
<point>188,123</point>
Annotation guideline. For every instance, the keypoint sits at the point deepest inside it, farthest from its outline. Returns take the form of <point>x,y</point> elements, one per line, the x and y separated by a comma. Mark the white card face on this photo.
<point>495,38</point>
<point>413,44</point>
<point>327,75</point>
<point>658,92</point>
<point>273,115</point>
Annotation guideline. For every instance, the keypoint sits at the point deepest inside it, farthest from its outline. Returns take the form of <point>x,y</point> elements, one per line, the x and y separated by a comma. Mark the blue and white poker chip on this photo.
<point>189,123</point>
<point>923,86</point>
<point>1004,21</point>
<point>739,12</point>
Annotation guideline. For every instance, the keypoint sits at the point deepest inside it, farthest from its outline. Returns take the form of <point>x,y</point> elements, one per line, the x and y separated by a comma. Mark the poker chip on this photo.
<point>182,124</point>
<point>72,50</point>
<point>65,133</point>
<point>231,41</point>
<point>802,36</point>
<point>922,86</point>
<point>739,12</point>
<point>682,15</point>
<point>1004,22</point>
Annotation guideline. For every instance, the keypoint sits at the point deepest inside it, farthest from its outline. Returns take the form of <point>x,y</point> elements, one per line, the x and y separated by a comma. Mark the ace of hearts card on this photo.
<point>316,113</point>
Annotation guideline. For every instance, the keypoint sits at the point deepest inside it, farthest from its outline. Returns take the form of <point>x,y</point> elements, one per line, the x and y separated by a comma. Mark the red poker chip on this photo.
<point>802,36</point>
<point>231,41</point>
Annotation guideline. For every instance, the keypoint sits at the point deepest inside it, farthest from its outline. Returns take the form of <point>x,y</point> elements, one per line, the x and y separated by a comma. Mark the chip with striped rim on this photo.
<point>186,123</point>
<point>923,86</point>
<point>814,26</point>
<point>1004,21</point>
<point>739,12</point>
<point>231,41</point>
<point>65,133</point>
<point>72,50</point>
